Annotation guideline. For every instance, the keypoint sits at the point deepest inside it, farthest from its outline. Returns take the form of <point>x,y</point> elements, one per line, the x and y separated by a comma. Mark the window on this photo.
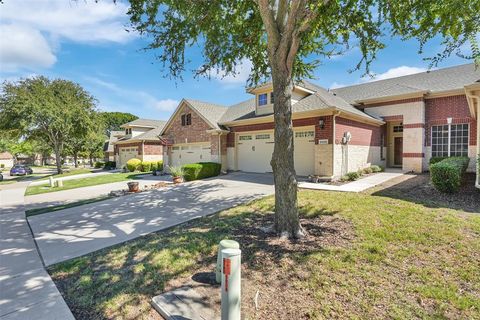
<point>186,119</point>
<point>304,134</point>
<point>398,128</point>
<point>450,140</point>
<point>262,99</point>
<point>271,97</point>
<point>262,136</point>
<point>244,138</point>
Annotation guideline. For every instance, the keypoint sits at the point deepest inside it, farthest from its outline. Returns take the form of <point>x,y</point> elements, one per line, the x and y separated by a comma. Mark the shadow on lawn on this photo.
<point>420,190</point>
<point>120,281</point>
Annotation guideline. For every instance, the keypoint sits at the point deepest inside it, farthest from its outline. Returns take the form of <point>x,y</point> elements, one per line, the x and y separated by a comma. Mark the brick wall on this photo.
<point>437,111</point>
<point>362,134</point>
<point>325,133</point>
<point>196,132</point>
<point>153,148</point>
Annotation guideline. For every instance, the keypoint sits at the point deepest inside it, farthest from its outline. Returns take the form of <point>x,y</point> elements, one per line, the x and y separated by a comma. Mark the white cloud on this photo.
<point>139,99</point>
<point>393,73</point>
<point>166,104</point>
<point>24,47</point>
<point>242,72</point>
<point>336,85</point>
<point>26,26</point>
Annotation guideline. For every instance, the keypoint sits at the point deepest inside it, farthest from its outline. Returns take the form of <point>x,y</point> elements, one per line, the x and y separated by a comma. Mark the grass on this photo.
<point>83,182</point>
<point>406,260</point>
<point>69,173</point>
<point>34,212</point>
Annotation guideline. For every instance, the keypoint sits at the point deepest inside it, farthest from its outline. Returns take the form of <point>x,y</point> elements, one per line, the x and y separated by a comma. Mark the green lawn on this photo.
<point>71,172</point>
<point>83,182</point>
<point>367,256</point>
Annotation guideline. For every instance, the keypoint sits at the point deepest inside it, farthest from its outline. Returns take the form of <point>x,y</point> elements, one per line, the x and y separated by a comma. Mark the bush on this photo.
<point>160,165</point>
<point>2,165</point>
<point>98,164</point>
<point>447,174</point>
<point>434,160</point>
<point>367,170</point>
<point>201,170</point>
<point>109,165</point>
<point>376,168</point>
<point>146,166</point>
<point>352,176</point>
<point>133,164</point>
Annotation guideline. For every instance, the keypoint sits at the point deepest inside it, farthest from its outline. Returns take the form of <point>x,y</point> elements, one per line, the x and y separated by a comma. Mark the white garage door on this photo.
<point>127,154</point>
<point>255,151</point>
<point>304,151</point>
<point>190,153</point>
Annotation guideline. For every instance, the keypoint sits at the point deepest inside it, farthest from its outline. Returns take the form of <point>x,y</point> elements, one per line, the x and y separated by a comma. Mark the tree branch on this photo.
<point>270,25</point>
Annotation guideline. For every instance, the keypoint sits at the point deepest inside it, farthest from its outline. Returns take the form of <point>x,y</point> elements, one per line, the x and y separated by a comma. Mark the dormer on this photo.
<point>264,97</point>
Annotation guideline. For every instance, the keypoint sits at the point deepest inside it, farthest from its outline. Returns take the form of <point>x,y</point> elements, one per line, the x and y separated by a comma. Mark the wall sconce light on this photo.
<point>321,123</point>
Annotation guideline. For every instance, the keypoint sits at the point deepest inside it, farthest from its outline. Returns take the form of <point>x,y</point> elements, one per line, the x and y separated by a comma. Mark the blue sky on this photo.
<point>85,42</point>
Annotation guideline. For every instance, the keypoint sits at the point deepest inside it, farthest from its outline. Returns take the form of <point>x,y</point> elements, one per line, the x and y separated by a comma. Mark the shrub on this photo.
<point>201,170</point>
<point>367,170</point>
<point>177,171</point>
<point>160,165</point>
<point>146,166</point>
<point>109,165</point>
<point>447,174</point>
<point>434,160</point>
<point>376,168</point>
<point>133,164</point>
<point>352,176</point>
<point>2,165</point>
<point>98,164</point>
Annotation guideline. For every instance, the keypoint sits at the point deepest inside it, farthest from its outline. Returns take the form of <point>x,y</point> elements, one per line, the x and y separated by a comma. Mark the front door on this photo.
<point>398,151</point>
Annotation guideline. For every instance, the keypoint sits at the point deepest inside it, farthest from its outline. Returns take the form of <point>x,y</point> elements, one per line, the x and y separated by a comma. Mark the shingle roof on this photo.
<point>242,110</point>
<point>433,81</point>
<point>151,134</point>
<point>114,136</point>
<point>5,155</point>
<point>210,111</point>
<point>144,123</point>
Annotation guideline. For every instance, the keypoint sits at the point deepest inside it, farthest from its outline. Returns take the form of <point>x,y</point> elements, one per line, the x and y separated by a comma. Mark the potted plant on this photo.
<point>133,186</point>
<point>177,173</point>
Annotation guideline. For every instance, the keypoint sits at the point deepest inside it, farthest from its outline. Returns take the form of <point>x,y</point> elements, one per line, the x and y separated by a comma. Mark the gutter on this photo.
<point>334,133</point>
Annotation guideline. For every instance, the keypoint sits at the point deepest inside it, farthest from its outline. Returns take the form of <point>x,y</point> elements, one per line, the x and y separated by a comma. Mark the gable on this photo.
<point>195,132</point>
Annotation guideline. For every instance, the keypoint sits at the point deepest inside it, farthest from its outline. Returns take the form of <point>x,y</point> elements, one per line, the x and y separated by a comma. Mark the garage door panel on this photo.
<point>187,154</point>
<point>255,151</point>
<point>304,151</point>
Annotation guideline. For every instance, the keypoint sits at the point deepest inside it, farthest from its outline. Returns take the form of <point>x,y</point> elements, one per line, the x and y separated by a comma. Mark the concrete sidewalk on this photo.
<point>63,197</point>
<point>73,232</point>
<point>355,186</point>
<point>74,177</point>
<point>26,289</point>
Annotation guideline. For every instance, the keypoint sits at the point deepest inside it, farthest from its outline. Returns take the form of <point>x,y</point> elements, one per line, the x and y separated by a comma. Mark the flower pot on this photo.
<point>133,187</point>
<point>177,179</point>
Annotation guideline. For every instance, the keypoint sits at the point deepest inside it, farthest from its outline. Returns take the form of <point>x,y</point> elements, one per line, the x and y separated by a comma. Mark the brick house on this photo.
<point>141,140</point>
<point>400,122</point>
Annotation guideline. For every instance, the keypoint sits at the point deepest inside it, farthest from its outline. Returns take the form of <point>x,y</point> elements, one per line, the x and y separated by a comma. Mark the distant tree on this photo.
<point>55,109</point>
<point>113,120</point>
<point>285,40</point>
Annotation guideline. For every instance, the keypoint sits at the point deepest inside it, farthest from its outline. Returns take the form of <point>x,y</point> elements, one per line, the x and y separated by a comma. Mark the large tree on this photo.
<point>113,120</point>
<point>54,109</point>
<point>286,40</point>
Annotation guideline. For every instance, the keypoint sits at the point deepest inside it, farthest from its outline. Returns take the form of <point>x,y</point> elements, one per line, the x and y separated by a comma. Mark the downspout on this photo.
<point>334,133</point>
<point>143,150</point>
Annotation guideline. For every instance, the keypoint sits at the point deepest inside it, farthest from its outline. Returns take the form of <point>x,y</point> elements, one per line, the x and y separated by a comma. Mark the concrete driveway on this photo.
<point>73,232</point>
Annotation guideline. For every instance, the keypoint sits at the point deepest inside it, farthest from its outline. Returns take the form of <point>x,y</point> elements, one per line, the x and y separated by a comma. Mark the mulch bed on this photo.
<point>266,258</point>
<point>419,189</point>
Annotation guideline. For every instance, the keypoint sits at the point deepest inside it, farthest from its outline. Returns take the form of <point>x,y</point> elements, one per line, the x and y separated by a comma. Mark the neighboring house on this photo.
<point>6,159</point>
<point>141,140</point>
<point>400,122</point>
<point>108,147</point>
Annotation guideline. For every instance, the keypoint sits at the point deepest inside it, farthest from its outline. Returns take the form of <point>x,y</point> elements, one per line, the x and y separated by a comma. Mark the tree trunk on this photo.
<point>91,160</point>
<point>75,159</point>
<point>58,159</point>
<point>287,222</point>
